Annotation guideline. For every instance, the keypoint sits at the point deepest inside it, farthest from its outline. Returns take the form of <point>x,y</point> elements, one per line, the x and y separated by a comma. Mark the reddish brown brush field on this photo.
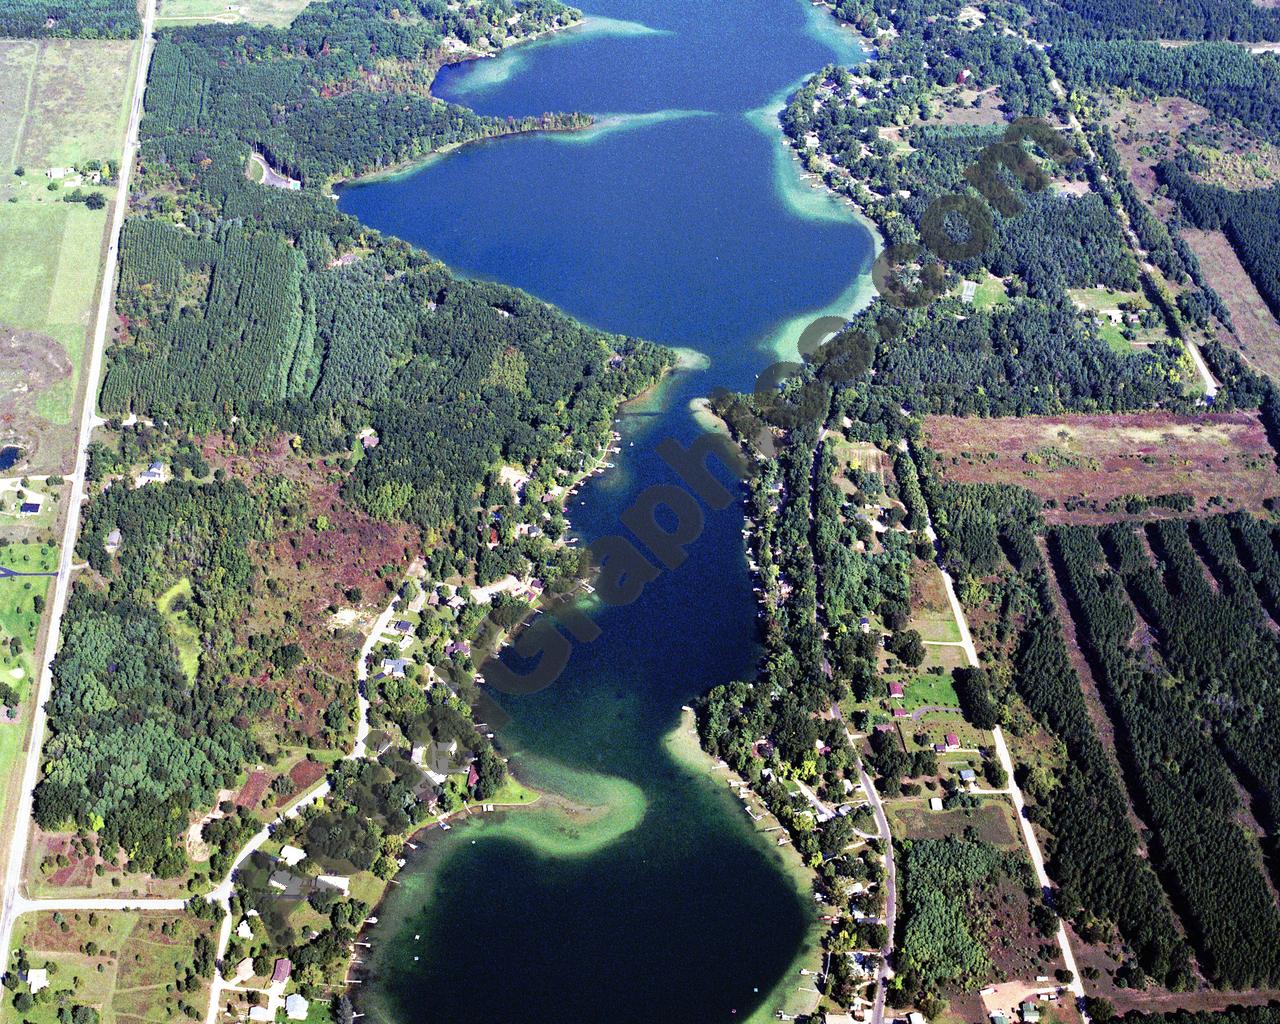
<point>1080,464</point>
<point>250,795</point>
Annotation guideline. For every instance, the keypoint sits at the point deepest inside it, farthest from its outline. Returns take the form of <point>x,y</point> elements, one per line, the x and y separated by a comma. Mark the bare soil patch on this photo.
<point>1085,467</point>
<point>31,363</point>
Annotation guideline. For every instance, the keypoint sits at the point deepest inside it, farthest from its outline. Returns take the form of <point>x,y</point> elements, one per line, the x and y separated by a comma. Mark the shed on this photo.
<point>935,803</point>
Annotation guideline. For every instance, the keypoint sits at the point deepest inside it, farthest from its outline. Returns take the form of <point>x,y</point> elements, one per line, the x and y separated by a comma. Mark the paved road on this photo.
<point>16,854</point>
<point>885,971</point>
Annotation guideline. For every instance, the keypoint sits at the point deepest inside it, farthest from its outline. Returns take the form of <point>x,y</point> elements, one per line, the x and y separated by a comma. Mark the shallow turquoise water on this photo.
<point>687,225</point>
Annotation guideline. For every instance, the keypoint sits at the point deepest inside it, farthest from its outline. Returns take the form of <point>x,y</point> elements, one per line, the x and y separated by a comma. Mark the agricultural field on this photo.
<point>130,967</point>
<point>1094,468</point>
<point>77,101</point>
<point>64,103</point>
<point>255,12</point>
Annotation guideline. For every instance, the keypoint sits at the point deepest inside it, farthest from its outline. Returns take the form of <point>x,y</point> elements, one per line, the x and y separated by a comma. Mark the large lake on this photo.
<point>681,218</point>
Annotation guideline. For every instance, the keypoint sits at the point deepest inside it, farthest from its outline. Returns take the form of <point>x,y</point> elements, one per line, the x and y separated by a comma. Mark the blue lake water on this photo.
<point>682,219</point>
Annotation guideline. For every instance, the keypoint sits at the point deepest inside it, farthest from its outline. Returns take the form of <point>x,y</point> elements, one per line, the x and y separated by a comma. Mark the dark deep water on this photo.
<point>694,231</point>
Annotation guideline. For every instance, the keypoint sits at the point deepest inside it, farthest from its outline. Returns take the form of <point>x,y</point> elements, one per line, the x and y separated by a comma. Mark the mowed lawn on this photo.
<point>257,12</point>
<point>135,958</point>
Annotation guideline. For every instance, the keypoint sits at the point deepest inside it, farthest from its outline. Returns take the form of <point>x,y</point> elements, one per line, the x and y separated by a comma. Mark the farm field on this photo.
<point>1256,333</point>
<point>64,102</point>
<point>77,94</point>
<point>1079,465</point>
<point>257,12</point>
<point>125,965</point>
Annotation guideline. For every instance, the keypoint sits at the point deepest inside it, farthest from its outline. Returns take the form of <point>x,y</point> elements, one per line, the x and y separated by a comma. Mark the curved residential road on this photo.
<point>12,899</point>
<point>222,894</point>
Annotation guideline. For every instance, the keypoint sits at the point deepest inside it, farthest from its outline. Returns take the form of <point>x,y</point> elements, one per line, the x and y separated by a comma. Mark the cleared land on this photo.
<point>61,102</point>
<point>77,102</point>
<point>123,964</point>
<point>258,12</point>
<point>1079,465</point>
<point>1256,333</point>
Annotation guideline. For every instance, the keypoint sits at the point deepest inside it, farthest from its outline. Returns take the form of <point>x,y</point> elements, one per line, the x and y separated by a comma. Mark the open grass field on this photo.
<point>61,102</point>
<point>19,621</point>
<point>1082,463</point>
<point>126,974</point>
<point>77,102</point>
<point>1257,332</point>
<point>50,259</point>
<point>172,604</point>
<point>256,12</point>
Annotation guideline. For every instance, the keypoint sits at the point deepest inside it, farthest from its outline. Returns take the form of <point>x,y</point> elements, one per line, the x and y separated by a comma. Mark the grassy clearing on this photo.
<point>62,102</point>
<point>256,12</point>
<point>20,622</point>
<point>49,269</point>
<point>1098,299</point>
<point>122,964</point>
<point>79,102</point>
<point>930,691</point>
<point>172,604</point>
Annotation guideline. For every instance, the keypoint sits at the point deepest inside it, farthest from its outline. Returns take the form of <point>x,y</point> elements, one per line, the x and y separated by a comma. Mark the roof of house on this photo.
<point>473,776</point>
<point>283,968</point>
<point>30,507</point>
<point>295,1007</point>
<point>899,712</point>
<point>37,979</point>
<point>968,774</point>
<point>403,626</point>
<point>953,740</point>
<point>292,855</point>
<point>896,690</point>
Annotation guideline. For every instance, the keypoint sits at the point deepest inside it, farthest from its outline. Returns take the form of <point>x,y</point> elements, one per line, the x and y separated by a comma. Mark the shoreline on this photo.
<point>579,824</point>
<point>684,747</point>
<point>404,167</point>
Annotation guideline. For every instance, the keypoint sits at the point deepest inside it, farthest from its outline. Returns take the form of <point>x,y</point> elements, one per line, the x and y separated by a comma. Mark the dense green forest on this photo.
<point>1187,789</point>
<point>1054,20</point>
<point>81,19</point>
<point>352,76</point>
<point>135,743</point>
